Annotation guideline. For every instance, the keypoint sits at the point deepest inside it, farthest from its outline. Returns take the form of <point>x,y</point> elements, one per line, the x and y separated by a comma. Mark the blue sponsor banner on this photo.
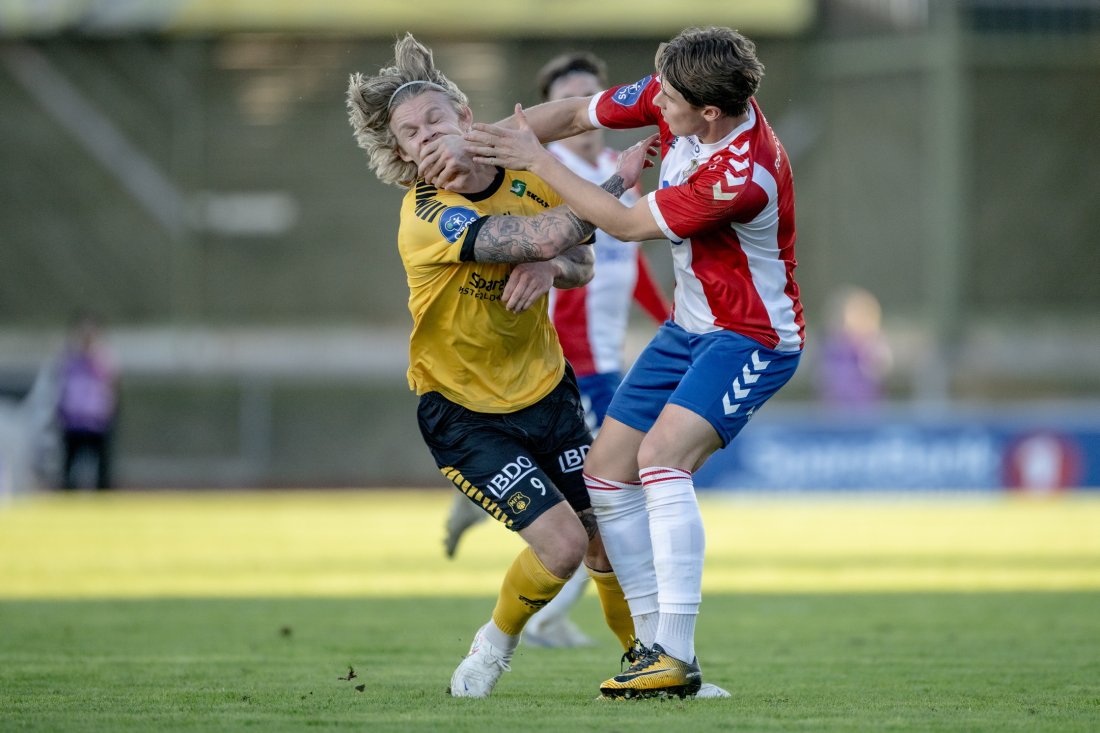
<point>1036,449</point>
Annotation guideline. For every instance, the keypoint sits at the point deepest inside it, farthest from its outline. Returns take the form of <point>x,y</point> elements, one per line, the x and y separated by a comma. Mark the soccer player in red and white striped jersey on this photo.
<point>726,205</point>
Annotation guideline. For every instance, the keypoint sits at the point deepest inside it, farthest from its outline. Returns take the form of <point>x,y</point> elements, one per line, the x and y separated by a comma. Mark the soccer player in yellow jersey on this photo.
<point>499,407</point>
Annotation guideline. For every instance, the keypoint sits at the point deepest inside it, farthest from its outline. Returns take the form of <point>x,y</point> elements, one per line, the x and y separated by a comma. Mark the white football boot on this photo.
<point>477,674</point>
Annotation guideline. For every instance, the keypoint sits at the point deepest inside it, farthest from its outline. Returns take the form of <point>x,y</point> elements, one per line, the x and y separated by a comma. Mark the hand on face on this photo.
<point>428,128</point>
<point>446,162</point>
<point>515,149</point>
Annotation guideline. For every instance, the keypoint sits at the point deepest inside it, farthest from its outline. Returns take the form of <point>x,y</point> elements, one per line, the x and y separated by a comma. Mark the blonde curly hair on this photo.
<point>371,99</point>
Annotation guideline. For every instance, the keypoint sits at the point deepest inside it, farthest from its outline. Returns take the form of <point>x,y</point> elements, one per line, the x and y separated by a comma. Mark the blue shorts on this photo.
<point>596,393</point>
<point>723,377</point>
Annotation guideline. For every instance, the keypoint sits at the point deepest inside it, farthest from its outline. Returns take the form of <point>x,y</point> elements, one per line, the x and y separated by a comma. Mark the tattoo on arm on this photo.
<point>575,265</point>
<point>542,237</point>
<point>507,238</point>
<point>614,185</point>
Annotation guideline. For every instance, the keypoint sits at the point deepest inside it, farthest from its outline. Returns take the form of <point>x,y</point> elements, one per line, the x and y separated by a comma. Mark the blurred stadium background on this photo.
<point>184,168</point>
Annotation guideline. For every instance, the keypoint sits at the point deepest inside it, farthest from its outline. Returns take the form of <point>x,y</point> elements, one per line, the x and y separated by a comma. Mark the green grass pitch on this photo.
<point>245,611</point>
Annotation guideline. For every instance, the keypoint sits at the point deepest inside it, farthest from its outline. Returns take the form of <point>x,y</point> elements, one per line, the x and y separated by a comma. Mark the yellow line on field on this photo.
<point>389,543</point>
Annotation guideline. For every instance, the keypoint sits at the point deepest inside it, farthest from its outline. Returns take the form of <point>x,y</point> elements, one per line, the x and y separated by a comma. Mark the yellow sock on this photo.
<point>527,587</point>
<point>616,612</point>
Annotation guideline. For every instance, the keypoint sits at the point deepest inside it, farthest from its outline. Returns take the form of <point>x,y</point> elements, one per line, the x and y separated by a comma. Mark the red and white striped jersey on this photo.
<point>591,321</point>
<point>727,209</point>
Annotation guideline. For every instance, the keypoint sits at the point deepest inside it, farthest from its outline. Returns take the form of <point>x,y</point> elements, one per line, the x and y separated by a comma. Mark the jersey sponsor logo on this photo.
<point>538,200</point>
<point>453,222</point>
<point>629,95</point>
<point>477,282</point>
<point>518,187</point>
<point>572,459</point>
<point>482,288</point>
<point>510,474</point>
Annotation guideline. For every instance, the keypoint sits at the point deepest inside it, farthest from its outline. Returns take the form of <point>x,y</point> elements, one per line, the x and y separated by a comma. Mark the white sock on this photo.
<point>624,525</point>
<point>676,632</point>
<point>645,624</point>
<point>559,606</point>
<point>505,642</point>
<point>679,542</point>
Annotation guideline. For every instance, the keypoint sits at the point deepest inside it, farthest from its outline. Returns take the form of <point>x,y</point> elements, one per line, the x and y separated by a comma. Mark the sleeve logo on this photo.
<point>453,222</point>
<point>628,95</point>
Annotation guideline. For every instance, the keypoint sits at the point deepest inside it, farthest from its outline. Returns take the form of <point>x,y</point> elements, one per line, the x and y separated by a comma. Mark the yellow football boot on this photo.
<point>654,674</point>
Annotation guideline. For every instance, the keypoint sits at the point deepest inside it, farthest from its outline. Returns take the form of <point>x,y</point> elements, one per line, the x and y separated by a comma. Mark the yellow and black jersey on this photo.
<point>465,344</point>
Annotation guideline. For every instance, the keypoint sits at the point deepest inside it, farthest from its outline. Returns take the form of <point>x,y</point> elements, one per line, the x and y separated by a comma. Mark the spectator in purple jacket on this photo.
<point>855,356</point>
<point>87,403</point>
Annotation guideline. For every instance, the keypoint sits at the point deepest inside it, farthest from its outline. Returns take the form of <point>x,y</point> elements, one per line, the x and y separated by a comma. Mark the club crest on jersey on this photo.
<point>454,221</point>
<point>627,96</point>
<point>518,187</point>
<point>518,502</point>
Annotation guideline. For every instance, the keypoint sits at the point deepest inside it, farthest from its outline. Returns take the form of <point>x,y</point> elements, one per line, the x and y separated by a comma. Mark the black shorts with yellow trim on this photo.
<point>515,465</point>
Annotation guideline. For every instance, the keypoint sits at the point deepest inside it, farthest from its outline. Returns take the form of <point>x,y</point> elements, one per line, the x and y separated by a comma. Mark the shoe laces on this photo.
<point>636,656</point>
<point>489,658</point>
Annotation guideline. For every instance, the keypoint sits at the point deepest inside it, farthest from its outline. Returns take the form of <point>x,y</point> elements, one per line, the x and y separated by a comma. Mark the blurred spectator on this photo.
<point>87,403</point>
<point>855,356</point>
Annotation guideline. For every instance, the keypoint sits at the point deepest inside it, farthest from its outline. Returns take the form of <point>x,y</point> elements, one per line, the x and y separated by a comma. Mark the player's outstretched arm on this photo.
<point>554,120</point>
<point>520,149</point>
<point>445,160</point>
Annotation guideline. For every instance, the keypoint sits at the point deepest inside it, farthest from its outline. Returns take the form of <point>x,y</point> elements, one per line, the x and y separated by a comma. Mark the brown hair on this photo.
<point>566,64</point>
<point>714,66</point>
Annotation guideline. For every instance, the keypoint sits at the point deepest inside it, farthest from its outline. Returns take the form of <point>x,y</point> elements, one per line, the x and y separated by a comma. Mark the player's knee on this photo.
<point>567,554</point>
<point>559,539</point>
<point>654,453</point>
<point>658,450</point>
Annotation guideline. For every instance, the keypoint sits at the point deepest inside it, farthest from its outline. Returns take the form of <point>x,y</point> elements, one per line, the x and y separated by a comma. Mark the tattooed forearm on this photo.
<point>542,237</point>
<point>504,239</point>
<point>529,238</point>
<point>582,228</point>
<point>575,267</point>
<point>614,186</point>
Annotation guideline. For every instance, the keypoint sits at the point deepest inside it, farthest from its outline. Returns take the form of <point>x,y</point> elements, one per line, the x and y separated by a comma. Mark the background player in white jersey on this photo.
<point>591,321</point>
<point>726,204</point>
